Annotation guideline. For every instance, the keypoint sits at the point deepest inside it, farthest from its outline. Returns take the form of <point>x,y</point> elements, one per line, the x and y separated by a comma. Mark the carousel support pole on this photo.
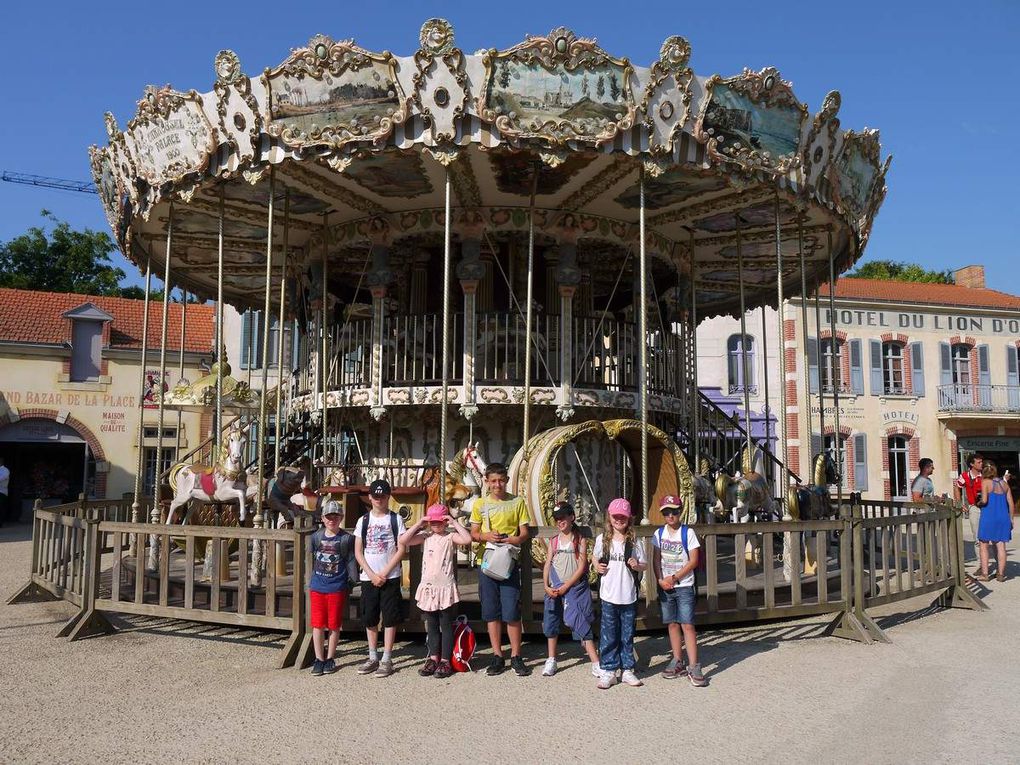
<point>180,365</point>
<point>378,282</point>
<point>443,406</point>
<point>154,540</point>
<point>833,371</point>
<point>821,399</point>
<point>259,519</point>
<point>471,273</point>
<point>695,398</point>
<point>744,369</point>
<point>281,549</point>
<point>805,340</point>
<point>221,356</point>
<point>324,329</point>
<point>768,466</point>
<point>136,503</point>
<point>784,483</point>
<point>643,345</point>
<point>568,276</point>
<point>528,318</point>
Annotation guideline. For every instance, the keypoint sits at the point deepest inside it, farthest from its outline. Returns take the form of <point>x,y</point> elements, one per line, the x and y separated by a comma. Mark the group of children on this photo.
<point>373,553</point>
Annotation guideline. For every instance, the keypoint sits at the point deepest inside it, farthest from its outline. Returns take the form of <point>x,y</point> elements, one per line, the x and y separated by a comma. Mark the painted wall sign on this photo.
<point>990,443</point>
<point>944,322</point>
<point>170,137</point>
<point>898,415</point>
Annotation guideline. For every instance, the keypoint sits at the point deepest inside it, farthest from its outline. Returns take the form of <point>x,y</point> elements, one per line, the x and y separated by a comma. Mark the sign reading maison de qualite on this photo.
<point>934,322</point>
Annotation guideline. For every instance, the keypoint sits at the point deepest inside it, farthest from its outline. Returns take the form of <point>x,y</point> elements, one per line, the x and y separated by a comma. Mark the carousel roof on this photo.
<point>357,146</point>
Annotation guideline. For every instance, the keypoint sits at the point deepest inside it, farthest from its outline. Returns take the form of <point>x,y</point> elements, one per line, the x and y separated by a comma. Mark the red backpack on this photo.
<point>463,645</point>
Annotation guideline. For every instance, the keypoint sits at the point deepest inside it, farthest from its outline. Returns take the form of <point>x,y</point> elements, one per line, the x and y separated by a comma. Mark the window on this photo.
<point>735,348</point>
<point>961,367</point>
<point>86,347</point>
<point>152,431</point>
<point>149,483</point>
<point>252,327</point>
<point>837,451</point>
<point>892,368</point>
<point>829,348</point>
<point>899,480</point>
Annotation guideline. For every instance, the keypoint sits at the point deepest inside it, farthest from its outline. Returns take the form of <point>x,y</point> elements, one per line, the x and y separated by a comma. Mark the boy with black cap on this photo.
<point>379,554</point>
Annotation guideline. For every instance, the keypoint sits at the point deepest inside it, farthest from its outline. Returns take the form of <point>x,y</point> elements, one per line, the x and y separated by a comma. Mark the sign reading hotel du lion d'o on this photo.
<point>932,322</point>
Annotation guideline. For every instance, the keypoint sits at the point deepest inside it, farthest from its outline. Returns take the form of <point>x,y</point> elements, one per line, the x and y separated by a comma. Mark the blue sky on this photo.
<point>939,80</point>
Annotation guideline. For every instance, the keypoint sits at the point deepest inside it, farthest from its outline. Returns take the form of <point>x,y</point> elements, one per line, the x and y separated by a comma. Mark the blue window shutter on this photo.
<point>295,346</point>
<point>246,332</point>
<point>812,352</point>
<point>861,462</point>
<point>733,361</point>
<point>256,351</point>
<point>917,368</point>
<point>856,368</point>
<point>816,448</point>
<point>749,345</point>
<point>877,382</point>
<point>1013,377</point>
<point>984,377</point>
<point>945,364</point>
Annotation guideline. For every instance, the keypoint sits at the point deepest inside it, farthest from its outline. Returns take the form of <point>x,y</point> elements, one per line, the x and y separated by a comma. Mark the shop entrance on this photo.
<point>48,461</point>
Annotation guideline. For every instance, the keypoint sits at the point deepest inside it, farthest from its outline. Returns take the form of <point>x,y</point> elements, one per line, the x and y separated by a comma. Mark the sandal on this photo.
<point>1000,577</point>
<point>981,577</point>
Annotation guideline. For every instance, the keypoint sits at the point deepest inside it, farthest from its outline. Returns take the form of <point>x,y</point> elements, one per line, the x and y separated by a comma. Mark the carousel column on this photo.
<point>153,562</point>
<point>136,504</point>
<point>470,272</point>
<point>568,277</point>
<point>378,281</point>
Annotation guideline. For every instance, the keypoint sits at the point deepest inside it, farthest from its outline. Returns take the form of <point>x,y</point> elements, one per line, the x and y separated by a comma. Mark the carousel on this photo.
<point>490,257</point>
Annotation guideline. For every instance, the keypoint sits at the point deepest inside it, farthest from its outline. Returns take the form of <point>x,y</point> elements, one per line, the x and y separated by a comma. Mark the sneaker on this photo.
<point>430,667</point>
<point>517,665</point>
<point>697,678</point>
<point>385,668</point>
<point>607,679</point>
<point>329,666</point>
<point>630,678</point>
<point>443,670</point>
<point>370,666</point>
<point>676,668</point>
<point>496,666</point>
<point>550,668</point>
<point>318,667</point>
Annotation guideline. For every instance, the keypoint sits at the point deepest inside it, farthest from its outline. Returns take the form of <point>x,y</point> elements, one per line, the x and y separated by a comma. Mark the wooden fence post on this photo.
<point>88,621</point>
<point>32,592</point>
<point>958,596</point>
<point>292,650</point>
<point>853,623</point>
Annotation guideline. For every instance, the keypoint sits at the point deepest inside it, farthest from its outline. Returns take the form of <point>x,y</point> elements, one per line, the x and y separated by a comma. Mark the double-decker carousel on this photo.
<point>490,257</point>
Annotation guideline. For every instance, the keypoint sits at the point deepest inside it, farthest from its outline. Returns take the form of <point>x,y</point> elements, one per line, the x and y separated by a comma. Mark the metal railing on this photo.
<point>500,342</point>
<point>611,364</point>
<point>413,349</point>
<point>993,399</point>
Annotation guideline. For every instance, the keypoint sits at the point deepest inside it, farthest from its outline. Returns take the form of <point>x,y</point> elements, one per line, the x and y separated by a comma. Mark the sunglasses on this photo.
<point>670,511</point>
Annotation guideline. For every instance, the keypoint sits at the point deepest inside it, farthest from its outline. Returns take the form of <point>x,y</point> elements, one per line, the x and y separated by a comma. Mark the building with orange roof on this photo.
<point>71,391</point>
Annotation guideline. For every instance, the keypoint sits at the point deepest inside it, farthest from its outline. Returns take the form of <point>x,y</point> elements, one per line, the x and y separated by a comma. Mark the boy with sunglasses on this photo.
<point>675,554</point>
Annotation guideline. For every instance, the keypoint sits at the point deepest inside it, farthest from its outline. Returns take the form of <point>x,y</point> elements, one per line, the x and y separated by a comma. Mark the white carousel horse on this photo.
<point>746,494</point>
<point>225,481</point>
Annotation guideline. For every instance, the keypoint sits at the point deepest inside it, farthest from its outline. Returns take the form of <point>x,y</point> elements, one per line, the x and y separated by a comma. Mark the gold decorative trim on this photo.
<point>672,105</point>
<point>827,120</point>
<point>436,40</point>
<point>153,114</point>
<point>230,78</point>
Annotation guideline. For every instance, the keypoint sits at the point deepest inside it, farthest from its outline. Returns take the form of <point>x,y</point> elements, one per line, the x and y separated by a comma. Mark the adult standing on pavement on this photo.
<point>996,522</point>
<point>500,519</point>
<point>968,487</point>
<point>5,482</point>
<point>923,488</point>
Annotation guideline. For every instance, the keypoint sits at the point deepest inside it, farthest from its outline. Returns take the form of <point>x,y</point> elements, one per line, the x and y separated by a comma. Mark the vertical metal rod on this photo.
<point>784,484</point>
<point>695,391</point>
<point>834,361</point>
<point>743,353</point>
<point>528,316</point>
<point>805,339</point>
<point>443,411</point>
<point>821,398</point>
<point>136,504</point>
<point>221,356</point>
<point>768,466</point>
<point>280,333</point>
<point>180,364</point>
<point>643,331</point>
<point>265,356</point>
<point>154,513</point>
<point>323,312</point>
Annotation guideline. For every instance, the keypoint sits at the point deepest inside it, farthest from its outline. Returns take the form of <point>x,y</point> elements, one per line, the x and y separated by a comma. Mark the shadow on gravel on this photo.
<point>195,631</point>
<point>19,532</point>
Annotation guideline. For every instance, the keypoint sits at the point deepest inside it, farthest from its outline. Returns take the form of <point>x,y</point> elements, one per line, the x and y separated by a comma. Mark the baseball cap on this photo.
<point>620,506</point>
<point>436,512</point>
<point>380,488</point>
<point>562,510</point>
<point>671,500</point>
<point>332,507</point>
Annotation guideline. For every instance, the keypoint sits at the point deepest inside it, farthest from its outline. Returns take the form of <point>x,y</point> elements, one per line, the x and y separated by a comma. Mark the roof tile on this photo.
<point>950,295</point>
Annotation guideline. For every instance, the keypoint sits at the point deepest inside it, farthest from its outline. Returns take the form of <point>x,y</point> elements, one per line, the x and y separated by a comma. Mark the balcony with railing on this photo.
<point>965,399</point>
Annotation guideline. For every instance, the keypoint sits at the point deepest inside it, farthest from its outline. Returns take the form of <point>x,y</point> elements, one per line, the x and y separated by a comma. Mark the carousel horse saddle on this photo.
<point>208,482</point>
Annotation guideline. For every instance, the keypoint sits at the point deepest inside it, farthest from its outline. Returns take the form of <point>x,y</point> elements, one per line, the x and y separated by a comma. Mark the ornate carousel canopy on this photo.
<point>360,144</point>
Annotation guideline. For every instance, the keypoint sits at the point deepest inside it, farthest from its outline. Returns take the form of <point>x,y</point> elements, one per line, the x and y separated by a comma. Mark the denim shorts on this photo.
<point>501,601</point>
<point>677,605</point>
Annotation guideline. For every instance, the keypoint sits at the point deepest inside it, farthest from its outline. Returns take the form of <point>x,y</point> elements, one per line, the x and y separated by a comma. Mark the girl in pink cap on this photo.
<point>437,595</point>
<point>619,559</point>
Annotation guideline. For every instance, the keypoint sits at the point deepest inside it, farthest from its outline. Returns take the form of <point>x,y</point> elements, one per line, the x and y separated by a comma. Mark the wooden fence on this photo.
<point>873,554</point>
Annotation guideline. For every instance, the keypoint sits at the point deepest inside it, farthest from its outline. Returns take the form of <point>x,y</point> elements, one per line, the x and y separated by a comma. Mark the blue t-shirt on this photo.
<point>329,561</point>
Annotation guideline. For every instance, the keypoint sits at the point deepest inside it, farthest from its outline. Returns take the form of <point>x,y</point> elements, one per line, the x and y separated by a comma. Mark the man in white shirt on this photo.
<point>5,480</point>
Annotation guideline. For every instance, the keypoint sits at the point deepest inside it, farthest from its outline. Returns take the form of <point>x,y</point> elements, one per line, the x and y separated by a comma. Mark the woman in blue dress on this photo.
<point>996,525</point>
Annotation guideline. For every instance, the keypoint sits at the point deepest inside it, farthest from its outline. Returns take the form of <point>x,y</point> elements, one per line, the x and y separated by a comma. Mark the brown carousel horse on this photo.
<point>224,481</point>
<point>465,479</point>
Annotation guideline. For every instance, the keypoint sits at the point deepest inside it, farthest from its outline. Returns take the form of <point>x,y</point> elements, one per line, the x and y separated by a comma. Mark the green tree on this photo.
<point>889,270</point>
<point>60,260</point>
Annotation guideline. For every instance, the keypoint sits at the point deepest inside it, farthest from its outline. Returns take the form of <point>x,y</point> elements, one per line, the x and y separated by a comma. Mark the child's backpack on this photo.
<point>347,553</point>
<point>683,541</point>
<point>393,528</point>
<point>463,645</point>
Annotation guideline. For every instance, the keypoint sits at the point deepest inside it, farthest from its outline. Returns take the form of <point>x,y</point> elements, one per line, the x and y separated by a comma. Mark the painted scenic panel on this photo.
<point>513,172</point>
<point>199,223</point>
<point>856,177</point>
<point>757,216</point>
<point>671,187</point>
<point>300,203</point>
<point>737,120</point>
<point>588,99</point>
<point>393,174</point>
<point>358,98</point>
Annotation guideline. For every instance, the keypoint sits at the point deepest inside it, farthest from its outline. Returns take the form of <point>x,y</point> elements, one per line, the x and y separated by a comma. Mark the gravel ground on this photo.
<point>168,691</point>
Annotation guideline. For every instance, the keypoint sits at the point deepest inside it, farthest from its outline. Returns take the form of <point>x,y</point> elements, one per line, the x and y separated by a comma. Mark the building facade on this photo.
<point>921,370</point>
<point>69,391</point>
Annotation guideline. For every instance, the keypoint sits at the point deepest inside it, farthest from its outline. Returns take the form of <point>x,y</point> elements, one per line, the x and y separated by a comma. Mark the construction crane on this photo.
<point>85,187</point>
